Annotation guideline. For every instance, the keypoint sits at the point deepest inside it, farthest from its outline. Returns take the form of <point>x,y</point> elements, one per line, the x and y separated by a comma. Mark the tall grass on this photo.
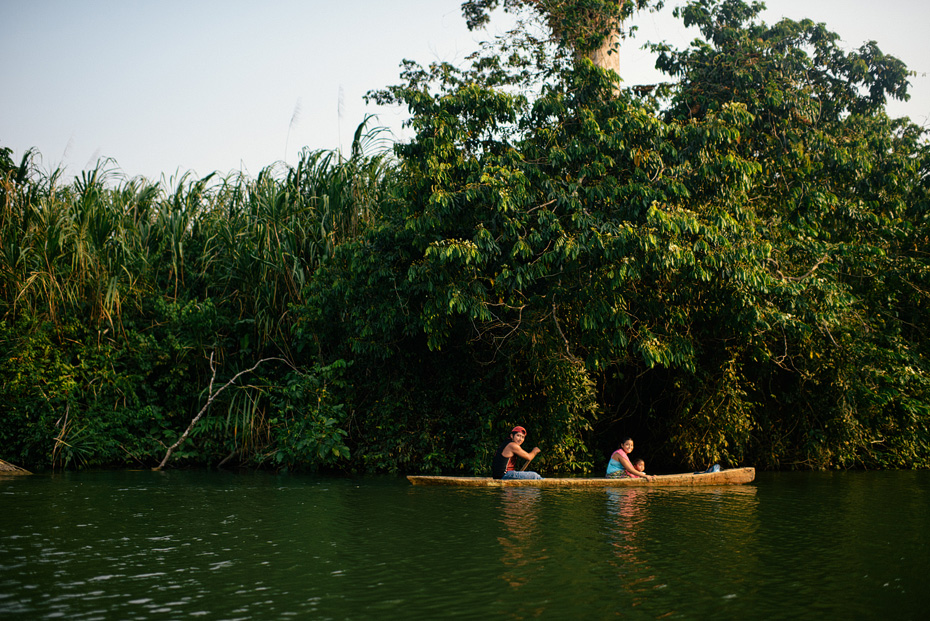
<point>222,259</point>
<point>102,242</point>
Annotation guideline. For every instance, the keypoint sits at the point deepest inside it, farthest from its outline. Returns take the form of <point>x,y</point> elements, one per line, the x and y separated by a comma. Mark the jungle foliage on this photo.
<point>731,267</point>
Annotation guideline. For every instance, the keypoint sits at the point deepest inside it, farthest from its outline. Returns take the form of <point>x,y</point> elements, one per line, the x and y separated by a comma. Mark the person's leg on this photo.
<point>518,474</point>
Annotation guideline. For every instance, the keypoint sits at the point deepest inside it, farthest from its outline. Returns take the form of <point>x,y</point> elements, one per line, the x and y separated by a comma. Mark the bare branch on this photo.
<point>206,406</point>
<point>819,262</point>
<point>7,468</point>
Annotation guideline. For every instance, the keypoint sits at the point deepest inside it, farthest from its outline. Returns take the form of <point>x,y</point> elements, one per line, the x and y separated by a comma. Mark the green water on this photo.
<point>175,545</point>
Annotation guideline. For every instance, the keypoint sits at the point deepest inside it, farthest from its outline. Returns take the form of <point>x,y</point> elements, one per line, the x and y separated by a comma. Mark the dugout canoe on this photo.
<point>732,476</point>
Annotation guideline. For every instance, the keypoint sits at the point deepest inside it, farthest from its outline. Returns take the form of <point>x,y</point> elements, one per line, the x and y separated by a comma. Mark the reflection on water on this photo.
<point>522,550</point>
<point>668,541</point>
<point>626,511</point>
<point>138,545</point>
<point>519,514</point>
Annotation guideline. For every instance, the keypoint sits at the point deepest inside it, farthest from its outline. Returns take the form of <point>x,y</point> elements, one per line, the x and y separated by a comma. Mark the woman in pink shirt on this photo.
<point>620,467</point>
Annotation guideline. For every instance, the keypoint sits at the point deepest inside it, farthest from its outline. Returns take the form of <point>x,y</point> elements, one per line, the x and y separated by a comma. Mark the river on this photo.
<point>215,545</point>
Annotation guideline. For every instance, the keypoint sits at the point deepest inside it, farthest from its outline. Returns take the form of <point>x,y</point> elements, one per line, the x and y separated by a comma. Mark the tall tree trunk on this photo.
<point>607,56</point>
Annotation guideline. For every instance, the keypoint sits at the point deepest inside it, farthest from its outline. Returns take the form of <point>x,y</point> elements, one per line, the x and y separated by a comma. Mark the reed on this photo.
<point>156,275</point>
<point>103,241</point>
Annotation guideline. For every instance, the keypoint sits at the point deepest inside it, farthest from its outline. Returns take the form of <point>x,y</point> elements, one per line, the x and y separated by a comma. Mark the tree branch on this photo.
<point>203,410</point>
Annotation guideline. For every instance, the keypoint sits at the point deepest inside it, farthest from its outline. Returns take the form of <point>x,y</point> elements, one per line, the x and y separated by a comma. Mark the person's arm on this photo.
<point>516,449</point>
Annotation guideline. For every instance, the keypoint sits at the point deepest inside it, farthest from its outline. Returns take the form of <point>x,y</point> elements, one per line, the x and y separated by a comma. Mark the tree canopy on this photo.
<point>731,267</point>
<point>589,28</point>
<point>700,264</point>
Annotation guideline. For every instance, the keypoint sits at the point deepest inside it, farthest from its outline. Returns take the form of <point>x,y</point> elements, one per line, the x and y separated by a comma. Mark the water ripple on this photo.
<point>224,547</point>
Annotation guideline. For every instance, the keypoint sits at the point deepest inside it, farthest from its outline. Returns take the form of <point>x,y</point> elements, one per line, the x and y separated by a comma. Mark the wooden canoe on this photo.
<point>734,476</point>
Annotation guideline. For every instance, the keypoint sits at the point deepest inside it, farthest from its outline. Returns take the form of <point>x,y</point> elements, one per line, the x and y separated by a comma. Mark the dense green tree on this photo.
<point>701,268</point>
<point>589,29</point>
<point>840,198</point>
<point>731,267</point>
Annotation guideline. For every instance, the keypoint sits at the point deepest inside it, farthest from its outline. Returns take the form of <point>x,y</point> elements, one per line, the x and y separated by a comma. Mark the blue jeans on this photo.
<point>519,474</point>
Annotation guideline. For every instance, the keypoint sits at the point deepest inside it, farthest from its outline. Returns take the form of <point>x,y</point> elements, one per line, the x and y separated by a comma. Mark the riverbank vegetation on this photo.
<point>731,267</point>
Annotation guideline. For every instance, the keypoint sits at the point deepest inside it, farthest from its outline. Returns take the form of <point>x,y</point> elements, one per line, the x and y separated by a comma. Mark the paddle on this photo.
<point>525,465</point>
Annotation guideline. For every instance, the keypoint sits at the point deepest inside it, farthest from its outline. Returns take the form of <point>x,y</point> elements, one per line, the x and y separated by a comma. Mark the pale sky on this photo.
<point>172,86</point>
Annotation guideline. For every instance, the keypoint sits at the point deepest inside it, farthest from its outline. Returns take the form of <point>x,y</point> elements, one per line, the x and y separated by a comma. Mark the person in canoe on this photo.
<point>502,466</point>
<point>620,467</point>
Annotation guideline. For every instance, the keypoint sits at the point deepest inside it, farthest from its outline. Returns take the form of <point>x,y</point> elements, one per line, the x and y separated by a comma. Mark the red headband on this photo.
<point>518,429</point>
